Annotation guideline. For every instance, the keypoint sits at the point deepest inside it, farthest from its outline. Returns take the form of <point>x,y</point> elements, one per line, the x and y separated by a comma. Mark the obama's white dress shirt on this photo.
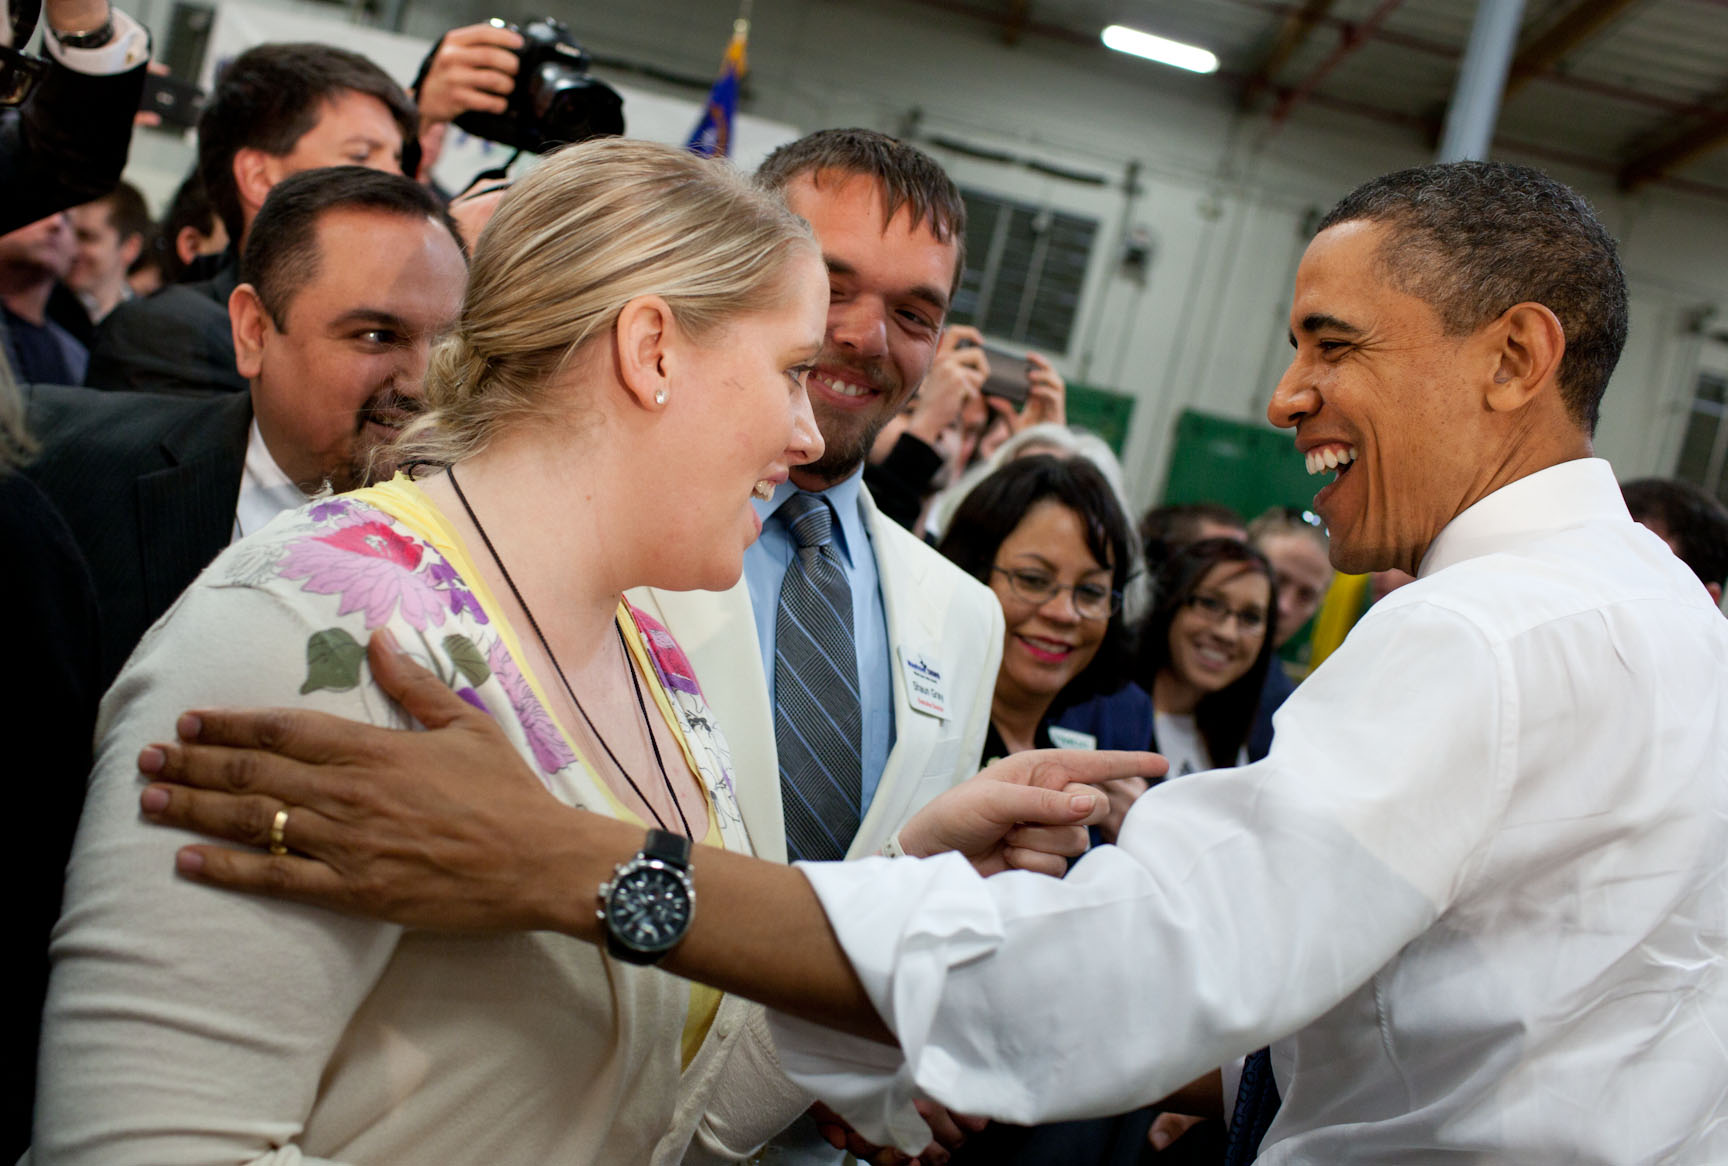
<point>1476,897</point>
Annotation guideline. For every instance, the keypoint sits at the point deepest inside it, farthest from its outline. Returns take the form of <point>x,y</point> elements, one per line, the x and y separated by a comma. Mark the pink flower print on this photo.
<point>550,751</point>
<point>373,569</point>
<point>670,662</point>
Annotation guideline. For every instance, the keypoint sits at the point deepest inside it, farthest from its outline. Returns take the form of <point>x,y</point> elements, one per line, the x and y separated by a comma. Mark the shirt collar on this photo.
<point>846,499</point>
<point>1569,494</point>
<point>265,489</point>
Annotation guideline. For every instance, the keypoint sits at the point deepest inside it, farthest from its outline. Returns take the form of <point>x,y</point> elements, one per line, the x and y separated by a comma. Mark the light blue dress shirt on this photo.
<point>765,566</point>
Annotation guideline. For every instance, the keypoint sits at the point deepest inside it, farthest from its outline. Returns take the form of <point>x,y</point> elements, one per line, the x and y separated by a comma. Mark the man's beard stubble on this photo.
<point>847,437</point>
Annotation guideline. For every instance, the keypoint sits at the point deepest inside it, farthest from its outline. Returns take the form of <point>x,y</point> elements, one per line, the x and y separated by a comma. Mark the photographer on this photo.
<point>1046,402</point>
<point>470,68</point>
<point>470,79</point>
<point>67,142</point>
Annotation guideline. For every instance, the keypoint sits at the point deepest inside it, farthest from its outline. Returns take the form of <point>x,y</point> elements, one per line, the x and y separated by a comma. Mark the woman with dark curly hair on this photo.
<point>1205,648</point>
<point>1047,535</point>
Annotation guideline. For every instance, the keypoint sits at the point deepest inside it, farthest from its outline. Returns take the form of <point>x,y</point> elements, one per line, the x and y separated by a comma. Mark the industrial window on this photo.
<point>1704,449</point>
<point>1025,268</point>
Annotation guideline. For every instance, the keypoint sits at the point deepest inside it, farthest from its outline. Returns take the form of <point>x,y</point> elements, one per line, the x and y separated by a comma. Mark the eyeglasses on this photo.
<point>1215,611</point>
<point>1091,600</point>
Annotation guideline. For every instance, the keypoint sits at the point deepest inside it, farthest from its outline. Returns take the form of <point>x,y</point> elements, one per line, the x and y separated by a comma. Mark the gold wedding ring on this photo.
<point>279,833</point>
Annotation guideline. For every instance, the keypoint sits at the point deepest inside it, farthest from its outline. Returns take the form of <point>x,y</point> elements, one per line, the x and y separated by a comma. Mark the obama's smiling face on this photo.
<point>1384,399</point>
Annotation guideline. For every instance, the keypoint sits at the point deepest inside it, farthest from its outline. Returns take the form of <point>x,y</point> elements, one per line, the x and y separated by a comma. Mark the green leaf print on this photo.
<point>469,660</point>
<point>332,661</point>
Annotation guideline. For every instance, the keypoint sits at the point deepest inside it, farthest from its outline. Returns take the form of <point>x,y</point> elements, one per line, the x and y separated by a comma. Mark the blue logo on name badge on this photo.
<point>924,670</point>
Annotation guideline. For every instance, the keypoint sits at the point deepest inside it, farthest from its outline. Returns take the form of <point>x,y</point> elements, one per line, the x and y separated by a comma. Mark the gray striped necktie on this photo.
<point>817,721</point>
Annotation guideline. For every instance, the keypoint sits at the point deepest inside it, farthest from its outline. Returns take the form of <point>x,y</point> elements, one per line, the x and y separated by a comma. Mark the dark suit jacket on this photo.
<point>176,341</point>
<point>148,486</point>
<point>51,709</point>
<point>67,144</point>
<point>1273,694</point>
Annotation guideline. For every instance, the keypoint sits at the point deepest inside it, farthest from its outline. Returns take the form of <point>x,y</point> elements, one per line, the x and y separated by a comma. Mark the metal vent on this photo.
<point>1025,269</point>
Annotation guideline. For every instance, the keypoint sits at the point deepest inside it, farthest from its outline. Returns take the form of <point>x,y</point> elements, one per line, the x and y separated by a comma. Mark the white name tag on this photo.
<point>926,686</point>
<point>1071,738</point>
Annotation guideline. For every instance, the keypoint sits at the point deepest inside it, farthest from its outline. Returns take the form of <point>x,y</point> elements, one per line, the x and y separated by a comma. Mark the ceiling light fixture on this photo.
<point>1156,48</point>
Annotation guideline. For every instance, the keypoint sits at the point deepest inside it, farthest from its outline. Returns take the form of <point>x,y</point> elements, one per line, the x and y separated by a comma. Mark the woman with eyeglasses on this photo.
<point>1048,537</point>
<point>1205,649</point>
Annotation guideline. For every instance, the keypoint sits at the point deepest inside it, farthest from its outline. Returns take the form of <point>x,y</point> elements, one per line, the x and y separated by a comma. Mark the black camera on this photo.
<point>555,101</point>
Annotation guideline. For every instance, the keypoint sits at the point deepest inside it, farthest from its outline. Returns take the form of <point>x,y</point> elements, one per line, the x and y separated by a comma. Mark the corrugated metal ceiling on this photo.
<point>1636,88</point>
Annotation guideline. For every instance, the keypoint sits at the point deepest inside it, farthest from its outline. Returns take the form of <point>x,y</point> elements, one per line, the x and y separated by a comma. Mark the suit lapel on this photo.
<point>186,510</point>
<point>717,631</point>
<point>908,612</point>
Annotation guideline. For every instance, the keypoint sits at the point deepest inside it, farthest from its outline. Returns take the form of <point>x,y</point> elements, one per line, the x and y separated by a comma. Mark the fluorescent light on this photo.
<point>1156,48</point>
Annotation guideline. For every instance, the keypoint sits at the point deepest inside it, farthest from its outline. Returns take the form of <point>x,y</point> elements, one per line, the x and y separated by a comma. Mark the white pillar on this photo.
<point>1475,104</point>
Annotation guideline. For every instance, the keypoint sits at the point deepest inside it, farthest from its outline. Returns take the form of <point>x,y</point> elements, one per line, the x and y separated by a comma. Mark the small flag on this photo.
<point>713,134</point>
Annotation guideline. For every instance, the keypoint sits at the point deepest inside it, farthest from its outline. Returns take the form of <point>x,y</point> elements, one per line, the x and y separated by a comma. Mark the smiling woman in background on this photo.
<point>1205,649</point>
<point>1047,536</point>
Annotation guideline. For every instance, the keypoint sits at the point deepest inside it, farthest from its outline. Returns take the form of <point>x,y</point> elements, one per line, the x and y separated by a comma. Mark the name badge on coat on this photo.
<point>1071,738</point>
<point>926,685</point>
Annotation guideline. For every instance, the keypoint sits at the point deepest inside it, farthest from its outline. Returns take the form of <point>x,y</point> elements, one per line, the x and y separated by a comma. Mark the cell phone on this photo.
<point>1010,376</point>
<point>177,103</point>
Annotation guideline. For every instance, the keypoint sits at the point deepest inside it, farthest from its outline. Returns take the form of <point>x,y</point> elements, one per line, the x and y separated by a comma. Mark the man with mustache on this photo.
<point>347,276</point>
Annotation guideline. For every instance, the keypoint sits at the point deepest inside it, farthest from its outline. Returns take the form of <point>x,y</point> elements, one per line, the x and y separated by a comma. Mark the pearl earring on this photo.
<point>659,396</point>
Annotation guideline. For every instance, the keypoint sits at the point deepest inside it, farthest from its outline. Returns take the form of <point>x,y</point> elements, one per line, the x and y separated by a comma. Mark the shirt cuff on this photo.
<point>129,49</point>
<point>871,905</point>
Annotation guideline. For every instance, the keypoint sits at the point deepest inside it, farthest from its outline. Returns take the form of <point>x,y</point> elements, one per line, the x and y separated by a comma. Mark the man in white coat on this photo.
<point>926,638</point>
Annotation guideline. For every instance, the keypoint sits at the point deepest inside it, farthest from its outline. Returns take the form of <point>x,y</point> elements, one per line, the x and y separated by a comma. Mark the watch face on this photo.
<point>649,908</point>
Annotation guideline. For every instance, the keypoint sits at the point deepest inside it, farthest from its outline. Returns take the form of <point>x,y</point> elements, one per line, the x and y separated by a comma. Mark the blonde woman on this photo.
<point>628,371</point>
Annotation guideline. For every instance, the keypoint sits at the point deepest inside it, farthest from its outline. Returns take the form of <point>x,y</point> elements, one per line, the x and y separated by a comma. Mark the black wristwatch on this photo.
<point>650,900</point>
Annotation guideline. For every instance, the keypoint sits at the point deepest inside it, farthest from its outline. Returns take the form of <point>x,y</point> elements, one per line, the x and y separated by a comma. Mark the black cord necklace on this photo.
<point>635,683</point>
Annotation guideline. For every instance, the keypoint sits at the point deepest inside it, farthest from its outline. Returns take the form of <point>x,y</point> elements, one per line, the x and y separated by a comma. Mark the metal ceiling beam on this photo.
<point>1298,25</point>
<point>1588,162</point>
<point>1284,9</point>
<point>1706,134</point>
<point>1583,21</point>
<point>1009,22</point>
<point>1641,167</point>
<point>1354,37</point>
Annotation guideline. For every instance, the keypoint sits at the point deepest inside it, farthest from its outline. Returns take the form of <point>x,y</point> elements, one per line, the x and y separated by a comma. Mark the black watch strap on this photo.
<point>668,847</point>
